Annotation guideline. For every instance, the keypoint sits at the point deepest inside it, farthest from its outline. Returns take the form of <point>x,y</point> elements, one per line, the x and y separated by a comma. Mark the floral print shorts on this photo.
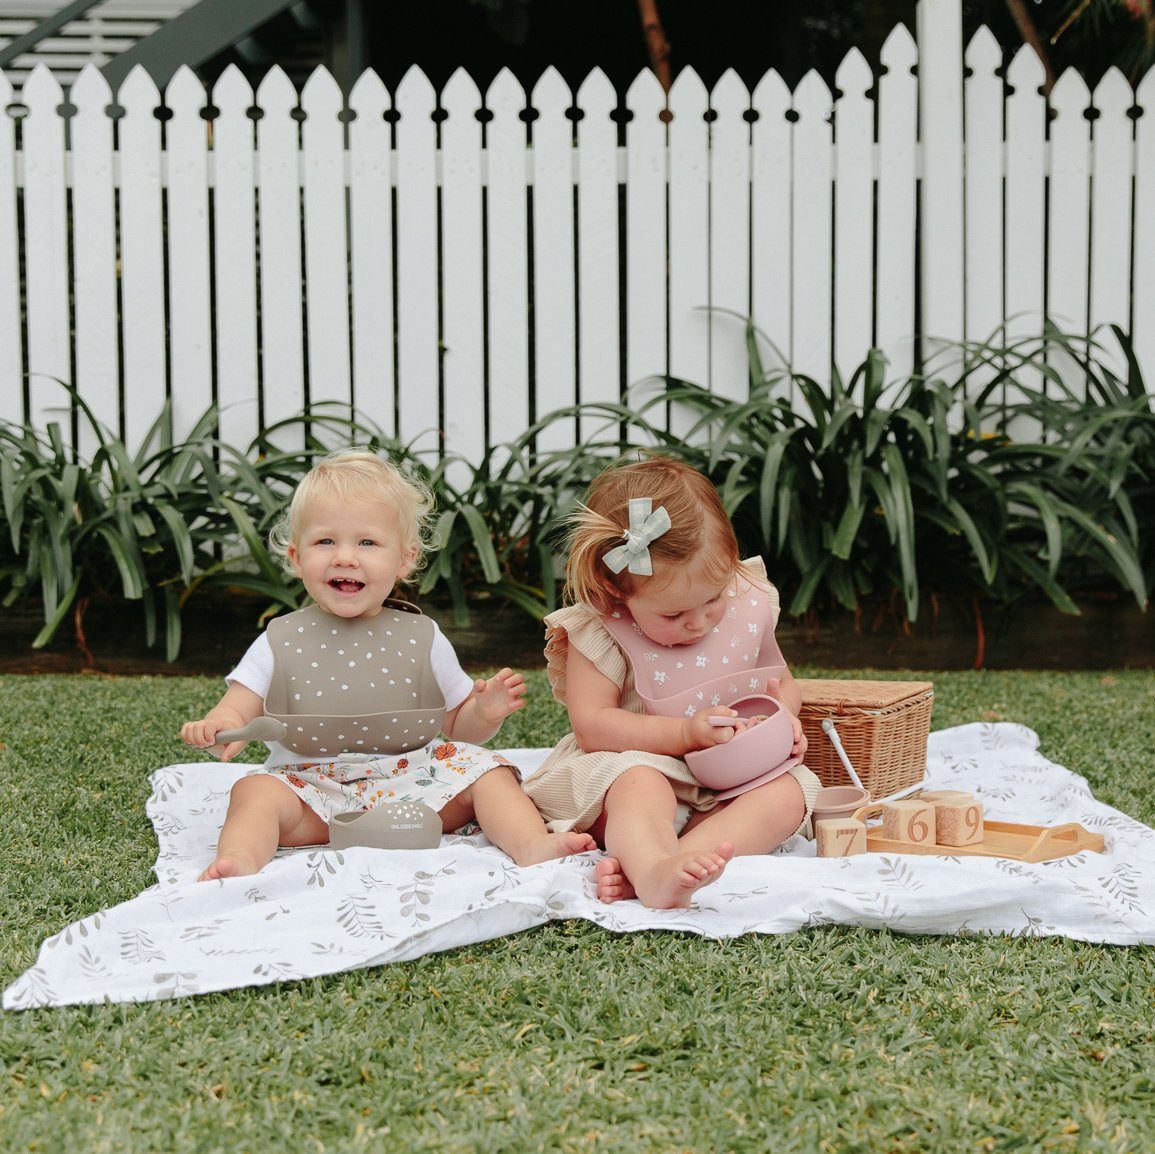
<point>432,775</point>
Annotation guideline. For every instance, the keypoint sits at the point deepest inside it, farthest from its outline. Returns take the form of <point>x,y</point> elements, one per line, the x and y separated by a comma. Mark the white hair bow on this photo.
<point>645,527</point>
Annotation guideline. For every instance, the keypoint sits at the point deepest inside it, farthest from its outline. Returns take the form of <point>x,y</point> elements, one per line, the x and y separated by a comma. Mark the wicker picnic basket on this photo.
<point>883,725</point>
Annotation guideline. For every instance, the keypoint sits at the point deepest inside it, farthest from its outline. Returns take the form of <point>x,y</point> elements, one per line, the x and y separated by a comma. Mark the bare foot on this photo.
<point>552,845</point>
<point>670,883</point>
<point>613,885</point>
<point>230,866</point>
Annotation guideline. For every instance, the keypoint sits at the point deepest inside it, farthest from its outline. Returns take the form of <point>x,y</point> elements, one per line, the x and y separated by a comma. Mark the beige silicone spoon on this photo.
<point>259,729</point>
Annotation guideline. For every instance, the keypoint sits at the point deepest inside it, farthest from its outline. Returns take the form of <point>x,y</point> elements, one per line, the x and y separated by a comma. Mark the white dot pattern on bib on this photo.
<point>678,680</point>
<point>334,677</point>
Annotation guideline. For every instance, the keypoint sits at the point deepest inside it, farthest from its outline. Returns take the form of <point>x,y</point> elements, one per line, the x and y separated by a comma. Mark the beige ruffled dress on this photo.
<point>571,784</point>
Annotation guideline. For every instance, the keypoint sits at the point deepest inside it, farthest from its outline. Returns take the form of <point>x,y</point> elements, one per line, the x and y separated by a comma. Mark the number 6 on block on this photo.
<point>911,821</point>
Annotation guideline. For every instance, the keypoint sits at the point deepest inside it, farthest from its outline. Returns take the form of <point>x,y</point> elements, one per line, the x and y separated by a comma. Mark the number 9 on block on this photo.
<point>958,821</point>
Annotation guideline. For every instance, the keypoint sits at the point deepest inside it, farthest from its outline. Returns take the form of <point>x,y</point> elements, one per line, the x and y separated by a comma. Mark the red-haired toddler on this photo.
<point>660,601</point>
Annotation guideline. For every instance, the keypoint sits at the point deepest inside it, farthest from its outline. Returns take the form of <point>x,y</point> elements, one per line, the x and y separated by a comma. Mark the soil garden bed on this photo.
<point>953,633</point>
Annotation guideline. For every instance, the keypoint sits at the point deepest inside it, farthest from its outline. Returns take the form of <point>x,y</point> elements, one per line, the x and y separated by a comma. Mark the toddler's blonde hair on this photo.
<point>700,534</point>
<point>360,475</point>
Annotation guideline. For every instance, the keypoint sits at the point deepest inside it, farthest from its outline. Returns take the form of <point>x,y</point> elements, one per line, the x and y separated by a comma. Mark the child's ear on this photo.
<point>610,592</point>
<point>294,556</point>
<point>407,563</point>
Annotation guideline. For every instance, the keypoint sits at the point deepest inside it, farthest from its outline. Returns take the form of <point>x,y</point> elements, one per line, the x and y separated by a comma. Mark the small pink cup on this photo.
<point>838,801</point>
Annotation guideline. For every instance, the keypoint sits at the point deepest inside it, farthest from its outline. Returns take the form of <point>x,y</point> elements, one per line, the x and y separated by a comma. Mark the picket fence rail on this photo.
<point>453,268</point>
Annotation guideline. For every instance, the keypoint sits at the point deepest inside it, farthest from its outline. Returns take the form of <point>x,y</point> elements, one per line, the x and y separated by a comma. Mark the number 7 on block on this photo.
<point>840,837</point>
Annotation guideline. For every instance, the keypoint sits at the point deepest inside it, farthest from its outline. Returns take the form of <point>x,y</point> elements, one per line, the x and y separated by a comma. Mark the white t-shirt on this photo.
<point>255,671</point>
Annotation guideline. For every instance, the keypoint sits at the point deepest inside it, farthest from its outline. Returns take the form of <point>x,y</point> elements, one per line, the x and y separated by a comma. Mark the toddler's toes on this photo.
<point>612,884</point>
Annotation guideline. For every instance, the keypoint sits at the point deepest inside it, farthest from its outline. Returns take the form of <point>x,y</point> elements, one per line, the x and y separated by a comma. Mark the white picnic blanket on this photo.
<point>312,912</point>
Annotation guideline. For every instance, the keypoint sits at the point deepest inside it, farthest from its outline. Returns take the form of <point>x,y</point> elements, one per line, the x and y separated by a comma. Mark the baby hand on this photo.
<point>501,695</point>
<point>800,740</point>
<point>698,732</point>
<point>202,735</point>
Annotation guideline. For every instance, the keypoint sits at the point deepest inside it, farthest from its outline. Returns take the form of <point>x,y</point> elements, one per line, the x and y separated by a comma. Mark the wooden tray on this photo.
<point>1027,843</point>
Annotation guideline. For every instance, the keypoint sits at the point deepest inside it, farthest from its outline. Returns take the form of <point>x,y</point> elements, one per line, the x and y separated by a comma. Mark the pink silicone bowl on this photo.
<point>748,757</point>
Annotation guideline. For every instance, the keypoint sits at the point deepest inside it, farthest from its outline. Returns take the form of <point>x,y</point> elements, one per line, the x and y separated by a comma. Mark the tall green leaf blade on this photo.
<point>483,543</point>
<point>252,538</point>
<point>1048,517</point>
<point>132,578</point>
<point>181,539</point>
<point>809,586</point>
<point>847,530</point>
<point>904,514</point>
<point>966,525</point>
<point>1125,560</point>
<point>59,613</point>
<point>172,623</point>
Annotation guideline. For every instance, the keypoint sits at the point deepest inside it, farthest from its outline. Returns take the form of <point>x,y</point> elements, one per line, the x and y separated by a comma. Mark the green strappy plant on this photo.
<point>868,487</point>
<point>871,484</point>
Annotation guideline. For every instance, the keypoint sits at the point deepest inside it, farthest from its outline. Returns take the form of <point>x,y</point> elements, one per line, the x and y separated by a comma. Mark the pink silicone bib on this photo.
<point>728,667</point>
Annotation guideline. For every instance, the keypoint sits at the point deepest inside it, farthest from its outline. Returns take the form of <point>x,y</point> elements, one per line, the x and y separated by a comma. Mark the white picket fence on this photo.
<point>456,279</point>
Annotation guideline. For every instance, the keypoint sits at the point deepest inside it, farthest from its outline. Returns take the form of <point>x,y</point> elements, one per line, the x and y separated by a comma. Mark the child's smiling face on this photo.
<point>678,610</point>
<point>350,555</point>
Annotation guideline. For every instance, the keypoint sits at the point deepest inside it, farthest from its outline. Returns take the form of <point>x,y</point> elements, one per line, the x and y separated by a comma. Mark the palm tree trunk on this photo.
<point>1030,34</point>
<point>657,45</point>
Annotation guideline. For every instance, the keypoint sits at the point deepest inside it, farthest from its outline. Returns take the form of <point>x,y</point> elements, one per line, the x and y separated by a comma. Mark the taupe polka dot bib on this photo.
<point>362,686</point>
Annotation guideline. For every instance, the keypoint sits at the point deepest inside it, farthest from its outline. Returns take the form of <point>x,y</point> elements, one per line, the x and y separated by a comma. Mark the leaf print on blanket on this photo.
<point>166,783</point>
<point>1122,884</point>
<point>31,989</point>
<point>876,908</point>
<point>1035,927</point>
<point>1018,870</point>
<point>137,947</point>
<point>357,916</point>
<point>370,883</point>
<point>76,931</point>
<point>420,893</point>
<point>510,879</point>
<point>92,965</point>
<point>196,933</point>
<point>814,919</point>
<point>176,985</point>
<point>322,862</point>
<point>168,825</point>
<point>277,971</point>
<point>747,895</point>
<point>896,872</point>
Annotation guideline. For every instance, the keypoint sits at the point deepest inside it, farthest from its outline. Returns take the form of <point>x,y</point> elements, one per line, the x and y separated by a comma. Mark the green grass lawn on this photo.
<point>568,1038</point>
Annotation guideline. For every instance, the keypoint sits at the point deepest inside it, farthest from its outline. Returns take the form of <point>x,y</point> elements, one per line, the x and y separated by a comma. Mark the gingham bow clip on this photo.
<point>645,527</point>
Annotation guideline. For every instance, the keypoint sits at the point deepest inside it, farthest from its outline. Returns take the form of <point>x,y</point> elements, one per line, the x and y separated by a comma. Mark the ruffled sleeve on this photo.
<point>754,570</point>
<point>581,627</point>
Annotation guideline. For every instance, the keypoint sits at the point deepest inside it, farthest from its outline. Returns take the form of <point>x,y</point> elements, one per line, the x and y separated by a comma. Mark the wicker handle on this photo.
<point>841,718</point>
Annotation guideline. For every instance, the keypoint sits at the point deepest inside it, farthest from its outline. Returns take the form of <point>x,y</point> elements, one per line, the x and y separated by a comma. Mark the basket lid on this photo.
<point>829,693</point>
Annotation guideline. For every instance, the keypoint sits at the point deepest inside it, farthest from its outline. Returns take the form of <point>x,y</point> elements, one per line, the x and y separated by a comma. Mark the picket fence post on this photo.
<point>454,265</point>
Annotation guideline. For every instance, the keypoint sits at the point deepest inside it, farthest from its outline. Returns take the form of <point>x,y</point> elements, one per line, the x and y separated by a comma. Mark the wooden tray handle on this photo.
<point>1071,832</point>
<point>865,811</point>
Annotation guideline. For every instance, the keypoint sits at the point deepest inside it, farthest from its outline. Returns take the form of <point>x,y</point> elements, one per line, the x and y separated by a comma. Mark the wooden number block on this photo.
<point>945,795</point>
<point>958,822</point>
<point>840,837</point>
<point>911,821</point>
